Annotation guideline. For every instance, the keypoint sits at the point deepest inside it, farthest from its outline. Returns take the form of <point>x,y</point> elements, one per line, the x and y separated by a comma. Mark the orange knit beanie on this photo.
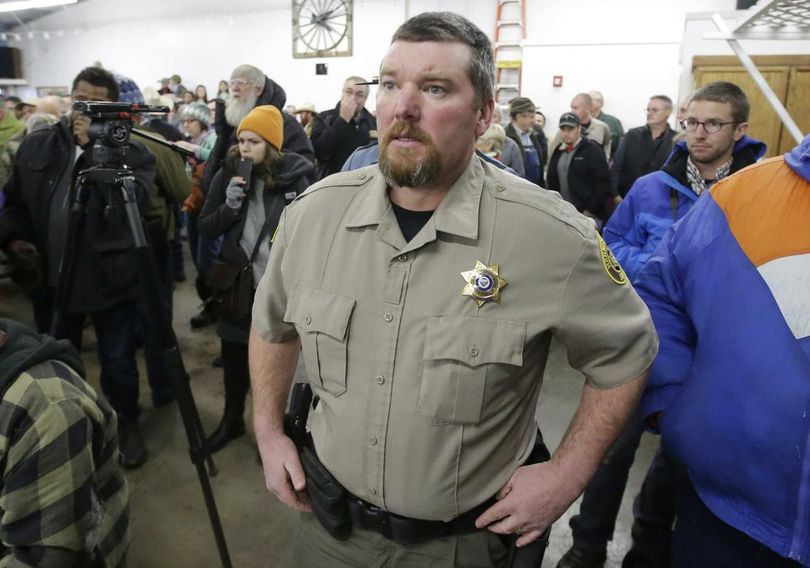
<point>266,121</point>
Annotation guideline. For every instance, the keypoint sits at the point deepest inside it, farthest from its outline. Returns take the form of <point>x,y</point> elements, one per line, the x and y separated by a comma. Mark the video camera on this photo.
<point>111,127</point>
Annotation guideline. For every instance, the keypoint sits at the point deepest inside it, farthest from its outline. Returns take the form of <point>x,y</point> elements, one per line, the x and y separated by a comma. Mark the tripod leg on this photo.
<point>157,316</point>
<point>161,326</point>
<point>67,267</point>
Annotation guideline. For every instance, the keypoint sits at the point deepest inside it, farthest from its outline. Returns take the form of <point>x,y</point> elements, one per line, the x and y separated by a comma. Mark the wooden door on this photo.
<point>798,105</point>
<point>763,123</point>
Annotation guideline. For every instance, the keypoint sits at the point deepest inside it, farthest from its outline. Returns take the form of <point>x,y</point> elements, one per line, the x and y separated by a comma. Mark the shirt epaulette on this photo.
<point>508,187</point>
<point>353,178</point>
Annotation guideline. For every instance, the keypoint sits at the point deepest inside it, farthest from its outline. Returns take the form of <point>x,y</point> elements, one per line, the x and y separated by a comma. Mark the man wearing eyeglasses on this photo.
<point>338,132</point>
<point>716,146</point>
<point>643,149</point>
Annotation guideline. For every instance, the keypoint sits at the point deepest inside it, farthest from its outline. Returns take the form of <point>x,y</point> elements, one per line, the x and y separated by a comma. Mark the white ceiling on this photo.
<point>22,17</point>
<point>88,13</point>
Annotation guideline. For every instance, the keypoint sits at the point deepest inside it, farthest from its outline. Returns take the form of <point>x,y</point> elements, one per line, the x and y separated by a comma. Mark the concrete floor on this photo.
<point>170,525</point>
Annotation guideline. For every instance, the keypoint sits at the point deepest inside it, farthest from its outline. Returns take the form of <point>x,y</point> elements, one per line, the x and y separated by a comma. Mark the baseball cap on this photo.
<point>569,119</point>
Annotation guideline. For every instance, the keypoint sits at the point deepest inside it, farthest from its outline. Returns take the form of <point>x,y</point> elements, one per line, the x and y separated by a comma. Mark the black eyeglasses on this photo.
<point>710,126</point>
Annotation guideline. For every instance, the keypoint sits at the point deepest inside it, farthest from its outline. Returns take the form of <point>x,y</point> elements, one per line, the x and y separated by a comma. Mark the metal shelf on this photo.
<point>767,20</point>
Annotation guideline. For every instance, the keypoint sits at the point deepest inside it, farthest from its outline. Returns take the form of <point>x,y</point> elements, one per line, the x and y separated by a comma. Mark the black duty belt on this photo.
<point>405,530</point>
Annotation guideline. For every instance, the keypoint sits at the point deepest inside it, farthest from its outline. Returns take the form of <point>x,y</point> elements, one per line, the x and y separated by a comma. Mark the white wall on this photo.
<point>628,49</point>
<point>203,44</point>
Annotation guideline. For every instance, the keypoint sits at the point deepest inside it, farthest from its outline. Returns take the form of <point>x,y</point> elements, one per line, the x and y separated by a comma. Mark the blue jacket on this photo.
<point>370,154</point>
<point>656,201</point>
<point>727,290</point>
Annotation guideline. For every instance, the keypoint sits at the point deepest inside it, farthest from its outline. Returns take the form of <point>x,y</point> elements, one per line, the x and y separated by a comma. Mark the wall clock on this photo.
<point>322,28</point>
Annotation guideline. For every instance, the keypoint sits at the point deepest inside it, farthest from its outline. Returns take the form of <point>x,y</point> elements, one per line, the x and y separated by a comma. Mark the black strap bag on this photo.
<point>232,285</point>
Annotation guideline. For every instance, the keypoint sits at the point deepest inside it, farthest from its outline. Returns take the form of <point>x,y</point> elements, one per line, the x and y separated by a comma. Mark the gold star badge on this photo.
<point>483,283</point>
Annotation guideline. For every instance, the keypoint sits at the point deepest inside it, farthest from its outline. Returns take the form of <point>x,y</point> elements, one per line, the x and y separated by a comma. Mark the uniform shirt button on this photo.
<point>361,175</point>
<point>307,320</point>
<point>380,380</point>
<point>402,257</point>
<point>474,352</point>
<point>372,440</point>
<point>388,317</point>
<point>499,187</point>
<point>372,491</point>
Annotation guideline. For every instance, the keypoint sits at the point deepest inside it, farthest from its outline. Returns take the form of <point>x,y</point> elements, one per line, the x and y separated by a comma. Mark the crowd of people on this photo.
<point>422,276</point>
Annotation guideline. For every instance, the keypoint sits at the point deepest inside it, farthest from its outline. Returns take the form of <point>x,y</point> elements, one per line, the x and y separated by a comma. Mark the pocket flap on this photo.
<point>315,310</point>
<point>475,341</point>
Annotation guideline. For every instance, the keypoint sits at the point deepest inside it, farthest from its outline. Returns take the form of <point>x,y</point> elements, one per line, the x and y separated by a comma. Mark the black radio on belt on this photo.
<point>327,495</point>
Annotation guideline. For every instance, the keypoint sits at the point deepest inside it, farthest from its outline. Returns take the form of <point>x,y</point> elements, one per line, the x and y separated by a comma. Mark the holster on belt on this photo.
<point>328,497</point>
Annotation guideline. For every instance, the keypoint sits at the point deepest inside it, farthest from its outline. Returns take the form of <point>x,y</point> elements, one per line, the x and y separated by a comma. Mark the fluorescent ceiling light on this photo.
<point>30,4</point>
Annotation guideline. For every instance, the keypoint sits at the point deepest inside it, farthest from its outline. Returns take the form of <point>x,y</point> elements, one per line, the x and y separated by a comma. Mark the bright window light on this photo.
<point>30,4</point>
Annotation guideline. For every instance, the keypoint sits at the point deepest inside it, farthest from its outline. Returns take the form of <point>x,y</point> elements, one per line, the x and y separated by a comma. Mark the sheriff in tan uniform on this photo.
<point>428,398</point>
<point>428,354</point>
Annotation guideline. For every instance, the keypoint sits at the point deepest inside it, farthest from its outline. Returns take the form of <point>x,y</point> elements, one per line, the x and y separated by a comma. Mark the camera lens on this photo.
<point>118,133</point>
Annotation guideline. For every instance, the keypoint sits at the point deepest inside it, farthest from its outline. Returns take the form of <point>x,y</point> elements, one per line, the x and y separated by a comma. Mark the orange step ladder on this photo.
<point>510,31</point>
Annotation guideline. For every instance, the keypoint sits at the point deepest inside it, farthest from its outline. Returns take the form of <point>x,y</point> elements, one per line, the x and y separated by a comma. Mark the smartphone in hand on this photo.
<point>244,170</point>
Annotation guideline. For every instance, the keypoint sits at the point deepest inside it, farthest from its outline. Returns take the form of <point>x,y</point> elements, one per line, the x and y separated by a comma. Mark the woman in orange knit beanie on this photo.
<point>246,212</point>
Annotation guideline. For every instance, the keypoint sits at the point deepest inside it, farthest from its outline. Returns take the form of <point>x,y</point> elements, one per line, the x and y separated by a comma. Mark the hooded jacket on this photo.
<point>295,139</point>
<point>25,349</point>
<point>727,290</point>
<point>216,219</point>
<point>659,199</point>
<point>54,427</point>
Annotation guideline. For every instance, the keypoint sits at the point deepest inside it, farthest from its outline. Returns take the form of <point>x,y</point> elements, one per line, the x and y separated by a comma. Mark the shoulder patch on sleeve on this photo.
<point>612,266</point>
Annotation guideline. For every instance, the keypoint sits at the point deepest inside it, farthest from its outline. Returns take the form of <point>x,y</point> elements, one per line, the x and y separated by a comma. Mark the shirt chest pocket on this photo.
<point>462,356</point>
<point>322,320</point>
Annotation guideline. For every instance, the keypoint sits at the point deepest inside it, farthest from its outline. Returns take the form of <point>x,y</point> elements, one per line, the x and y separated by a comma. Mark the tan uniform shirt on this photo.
<point>428,400</point>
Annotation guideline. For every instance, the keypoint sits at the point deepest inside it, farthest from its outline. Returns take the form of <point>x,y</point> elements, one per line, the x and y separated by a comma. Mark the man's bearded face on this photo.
<point>237,108</point>
<point>408,157</point>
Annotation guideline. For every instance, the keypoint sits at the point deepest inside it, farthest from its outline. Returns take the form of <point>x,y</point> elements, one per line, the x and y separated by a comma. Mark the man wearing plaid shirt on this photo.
<point>63,498</point>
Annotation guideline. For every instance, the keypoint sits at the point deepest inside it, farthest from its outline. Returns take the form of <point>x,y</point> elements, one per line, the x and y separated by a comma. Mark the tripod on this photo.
<point>122,180</point>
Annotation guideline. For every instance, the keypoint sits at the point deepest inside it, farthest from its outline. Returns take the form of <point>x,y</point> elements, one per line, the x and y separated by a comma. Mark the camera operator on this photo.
<point>34,232</point>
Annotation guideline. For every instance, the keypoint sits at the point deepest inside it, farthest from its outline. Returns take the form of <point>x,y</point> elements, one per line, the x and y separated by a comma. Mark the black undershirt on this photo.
<point>410,222</point>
